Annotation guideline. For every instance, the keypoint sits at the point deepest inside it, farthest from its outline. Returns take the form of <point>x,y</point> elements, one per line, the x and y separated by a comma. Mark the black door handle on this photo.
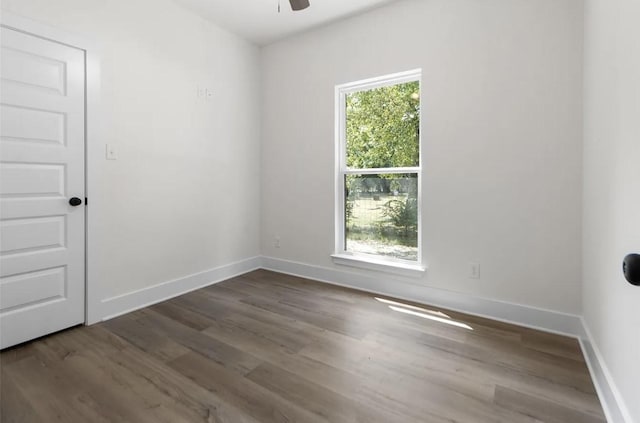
<point>631,269</point>
<point>75,201</point>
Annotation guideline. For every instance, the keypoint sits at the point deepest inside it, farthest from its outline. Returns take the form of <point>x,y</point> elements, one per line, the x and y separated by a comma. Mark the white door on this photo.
<point>42,236</point>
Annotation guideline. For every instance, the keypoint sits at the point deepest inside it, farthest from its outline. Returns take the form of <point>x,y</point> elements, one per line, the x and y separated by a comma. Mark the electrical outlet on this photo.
<point>111,152</point>
<point>205,93</point>
<point>276,241</point>
<point>474,270</point>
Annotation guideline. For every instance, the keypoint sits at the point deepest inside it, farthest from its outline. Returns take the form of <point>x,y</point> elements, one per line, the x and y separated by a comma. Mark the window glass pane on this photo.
<point>381,215</point>
<point>383,127</point>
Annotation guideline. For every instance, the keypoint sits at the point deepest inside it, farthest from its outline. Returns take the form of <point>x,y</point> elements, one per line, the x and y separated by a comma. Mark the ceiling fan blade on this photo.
<point>299,4</point>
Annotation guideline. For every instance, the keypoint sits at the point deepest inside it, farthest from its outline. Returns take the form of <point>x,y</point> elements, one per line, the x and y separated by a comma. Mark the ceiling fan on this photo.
<point>297,4</point>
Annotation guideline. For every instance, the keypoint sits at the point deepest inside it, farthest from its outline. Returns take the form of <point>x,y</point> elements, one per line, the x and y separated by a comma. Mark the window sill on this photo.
<point>378,265</point>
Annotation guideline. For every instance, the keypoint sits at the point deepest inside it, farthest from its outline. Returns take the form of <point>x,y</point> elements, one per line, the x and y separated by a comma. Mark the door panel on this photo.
<point>41,166</point>
<point>40,233</point>
<point>29,125</point>
<point>32,179</point>
<point>33,70</point>
<point>32,288</point>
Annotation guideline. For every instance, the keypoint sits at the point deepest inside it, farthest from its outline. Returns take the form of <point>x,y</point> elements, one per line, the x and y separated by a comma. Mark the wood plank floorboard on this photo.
<point>266,347</point>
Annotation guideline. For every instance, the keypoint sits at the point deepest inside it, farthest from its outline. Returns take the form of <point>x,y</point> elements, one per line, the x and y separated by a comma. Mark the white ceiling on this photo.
<point>260,22</point>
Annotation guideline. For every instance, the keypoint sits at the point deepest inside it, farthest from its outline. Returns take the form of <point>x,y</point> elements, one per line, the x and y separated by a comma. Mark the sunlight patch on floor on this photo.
<point>424,313</point>
<point>412,307</point>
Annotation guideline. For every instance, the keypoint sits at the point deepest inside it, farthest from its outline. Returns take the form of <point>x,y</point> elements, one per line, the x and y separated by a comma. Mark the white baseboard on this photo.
<point>135,300</point>
<point>614,406</point>
<point>384,284</point>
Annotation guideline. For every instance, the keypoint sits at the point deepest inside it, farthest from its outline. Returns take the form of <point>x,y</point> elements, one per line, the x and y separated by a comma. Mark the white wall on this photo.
<point>184,195</point>
<point>612,190</point>
<point>502,127</point>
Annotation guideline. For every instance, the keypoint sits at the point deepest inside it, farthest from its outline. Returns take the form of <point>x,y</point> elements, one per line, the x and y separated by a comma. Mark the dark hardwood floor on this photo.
<point>266,347</point>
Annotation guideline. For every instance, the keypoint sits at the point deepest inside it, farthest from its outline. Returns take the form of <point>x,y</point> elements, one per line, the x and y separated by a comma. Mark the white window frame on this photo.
<point>362,260</point>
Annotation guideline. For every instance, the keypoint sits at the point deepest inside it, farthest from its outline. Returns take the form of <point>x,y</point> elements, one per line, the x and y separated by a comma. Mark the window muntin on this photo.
<point>378,180</point>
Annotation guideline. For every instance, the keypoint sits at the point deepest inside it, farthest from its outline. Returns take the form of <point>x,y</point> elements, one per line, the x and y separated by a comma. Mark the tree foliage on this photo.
<point>404,215</point>
<point>383,127</point>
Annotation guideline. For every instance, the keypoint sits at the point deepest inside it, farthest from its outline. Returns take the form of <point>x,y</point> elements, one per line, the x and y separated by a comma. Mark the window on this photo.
<point>378,174</point>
